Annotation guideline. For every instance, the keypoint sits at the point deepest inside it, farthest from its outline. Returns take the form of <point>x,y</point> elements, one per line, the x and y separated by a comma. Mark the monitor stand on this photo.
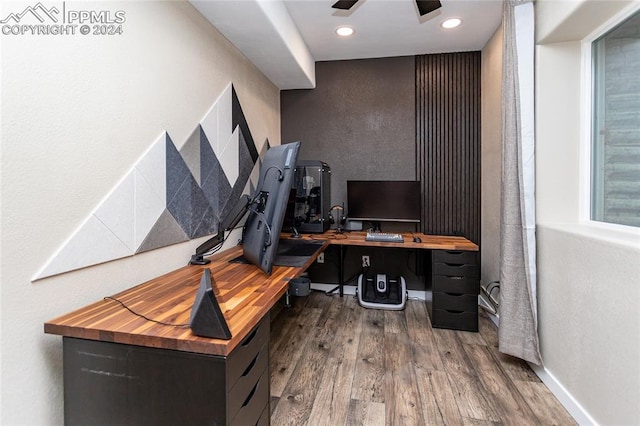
<point>295,233</point>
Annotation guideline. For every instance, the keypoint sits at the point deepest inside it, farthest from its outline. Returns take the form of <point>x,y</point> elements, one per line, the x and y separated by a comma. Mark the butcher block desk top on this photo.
<point>245,295</point>
<point>428,242</point>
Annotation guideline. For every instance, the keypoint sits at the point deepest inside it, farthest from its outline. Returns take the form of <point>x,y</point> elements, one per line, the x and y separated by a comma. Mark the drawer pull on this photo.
<point>250,337</point>
<point>453,312</point>
<point>253,391</point>
<point>454,265</point>
<point>250,366</point>
<point>453,294</point>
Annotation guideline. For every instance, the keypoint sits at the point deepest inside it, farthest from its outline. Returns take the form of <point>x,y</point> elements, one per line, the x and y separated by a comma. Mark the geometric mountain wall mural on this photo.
<point>170,196</point>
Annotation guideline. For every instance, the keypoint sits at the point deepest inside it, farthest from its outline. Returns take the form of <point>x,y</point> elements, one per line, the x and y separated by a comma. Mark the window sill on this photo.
<point>626,236</point>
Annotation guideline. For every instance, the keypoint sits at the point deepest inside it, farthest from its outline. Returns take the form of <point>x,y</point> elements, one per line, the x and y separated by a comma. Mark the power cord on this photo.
<point>143,316</point>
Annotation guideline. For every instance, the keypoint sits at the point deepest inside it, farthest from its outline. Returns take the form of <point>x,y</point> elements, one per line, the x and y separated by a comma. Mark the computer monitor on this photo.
<point>269,204</point>
<point>383,201</point>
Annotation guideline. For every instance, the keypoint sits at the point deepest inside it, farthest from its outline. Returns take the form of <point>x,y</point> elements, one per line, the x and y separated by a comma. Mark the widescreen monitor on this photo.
<point>383,200</point>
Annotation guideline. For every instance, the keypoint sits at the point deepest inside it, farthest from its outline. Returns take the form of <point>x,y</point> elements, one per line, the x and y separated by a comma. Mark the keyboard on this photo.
<point>384,237</point>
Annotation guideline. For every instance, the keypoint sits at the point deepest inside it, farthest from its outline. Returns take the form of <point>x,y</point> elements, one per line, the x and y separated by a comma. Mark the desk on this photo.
<point>120,368</point>
<point>357,238</point>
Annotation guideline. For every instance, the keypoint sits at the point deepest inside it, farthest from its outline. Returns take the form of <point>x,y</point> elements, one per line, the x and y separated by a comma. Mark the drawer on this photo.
<point>455,302</point>
<point>457,257</point>
<point>456,285</point>
<point>265,417</point>
<point>455,270</point>
<point>245,384</point>
<point>455,320</point>
<point>253,405</point>
<point>246,351</point>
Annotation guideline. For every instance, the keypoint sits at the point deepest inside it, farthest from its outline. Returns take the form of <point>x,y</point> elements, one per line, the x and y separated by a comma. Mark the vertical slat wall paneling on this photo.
<point>448,142</point>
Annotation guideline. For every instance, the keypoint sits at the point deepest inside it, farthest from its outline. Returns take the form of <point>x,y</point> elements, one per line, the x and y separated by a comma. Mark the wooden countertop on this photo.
<point>429,242</point>
<point>245,295</point>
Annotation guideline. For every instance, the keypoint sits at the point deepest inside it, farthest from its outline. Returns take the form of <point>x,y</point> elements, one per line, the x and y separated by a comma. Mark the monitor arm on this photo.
<point>229,223</point>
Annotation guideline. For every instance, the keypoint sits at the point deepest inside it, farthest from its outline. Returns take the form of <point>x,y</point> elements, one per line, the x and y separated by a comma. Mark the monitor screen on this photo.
<point>388,200</point>
<point>269,204</point>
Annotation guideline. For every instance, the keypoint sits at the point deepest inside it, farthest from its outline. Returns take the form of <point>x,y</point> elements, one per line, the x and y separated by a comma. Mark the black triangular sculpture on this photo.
<point>206,317</point>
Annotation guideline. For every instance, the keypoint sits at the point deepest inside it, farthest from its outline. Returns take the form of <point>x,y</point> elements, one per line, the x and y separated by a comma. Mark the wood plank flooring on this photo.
<point>336,363</point>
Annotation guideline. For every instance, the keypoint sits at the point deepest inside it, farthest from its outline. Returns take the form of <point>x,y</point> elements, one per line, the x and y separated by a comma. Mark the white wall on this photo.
<point>588,277</point>
<point>491,155</point>
<point>77,112</point>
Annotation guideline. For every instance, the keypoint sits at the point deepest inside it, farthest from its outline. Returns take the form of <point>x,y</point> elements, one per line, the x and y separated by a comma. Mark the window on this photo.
<point>615,140</point>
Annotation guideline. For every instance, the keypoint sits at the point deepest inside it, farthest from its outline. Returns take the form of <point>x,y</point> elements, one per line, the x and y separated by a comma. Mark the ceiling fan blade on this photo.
<point>427,6</point>
<point>344,4</point>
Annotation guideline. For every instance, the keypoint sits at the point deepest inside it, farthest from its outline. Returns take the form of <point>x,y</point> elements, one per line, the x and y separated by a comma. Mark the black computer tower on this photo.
<point>312,181</point>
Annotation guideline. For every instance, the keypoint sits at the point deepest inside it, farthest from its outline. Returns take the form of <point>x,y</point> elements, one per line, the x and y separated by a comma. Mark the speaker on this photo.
<point>206,317</point>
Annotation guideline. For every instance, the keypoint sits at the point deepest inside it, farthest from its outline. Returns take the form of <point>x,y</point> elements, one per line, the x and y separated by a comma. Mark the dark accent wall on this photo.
<point>448,142</point>
<point>395,118</point>
<point>360,119</point>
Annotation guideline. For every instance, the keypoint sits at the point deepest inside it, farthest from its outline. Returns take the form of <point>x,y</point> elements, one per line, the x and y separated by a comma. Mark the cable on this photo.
<point>317,237</point>
<point>219,246</point>
<point>264,220</point>
<point>143,316</point>
<point>281,175</point>
<point>335,236</point>
<point>214,249</point>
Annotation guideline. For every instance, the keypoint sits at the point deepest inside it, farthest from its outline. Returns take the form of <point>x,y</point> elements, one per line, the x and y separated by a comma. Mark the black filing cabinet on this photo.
<point>452,301</point>
<point>113,383</point>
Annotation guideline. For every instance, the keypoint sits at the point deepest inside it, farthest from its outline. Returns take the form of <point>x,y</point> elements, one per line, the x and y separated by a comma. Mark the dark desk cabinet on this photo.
<point>453,291</point>
<point>113,383</point>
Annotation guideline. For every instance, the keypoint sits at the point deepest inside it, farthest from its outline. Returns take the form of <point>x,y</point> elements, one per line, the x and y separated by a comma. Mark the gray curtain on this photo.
<point>518,331</point>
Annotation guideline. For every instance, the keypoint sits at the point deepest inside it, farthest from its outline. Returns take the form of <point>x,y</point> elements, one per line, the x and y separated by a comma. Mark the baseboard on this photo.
<point>351,290</point>
<point>566,399</point>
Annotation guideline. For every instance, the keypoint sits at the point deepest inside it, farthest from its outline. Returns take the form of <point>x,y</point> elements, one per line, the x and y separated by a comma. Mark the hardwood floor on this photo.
<point>336,363</point>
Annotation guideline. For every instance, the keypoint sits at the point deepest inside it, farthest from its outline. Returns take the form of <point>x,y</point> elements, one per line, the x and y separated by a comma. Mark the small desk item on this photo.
<point>206,317</point>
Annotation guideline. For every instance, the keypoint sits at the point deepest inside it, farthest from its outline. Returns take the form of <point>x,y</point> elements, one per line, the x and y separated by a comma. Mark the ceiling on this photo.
<point>284,38</point>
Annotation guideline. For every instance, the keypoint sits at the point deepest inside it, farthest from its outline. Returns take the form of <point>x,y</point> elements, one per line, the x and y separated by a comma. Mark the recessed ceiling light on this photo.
<point>451,23</point>
<point>344,31</point>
